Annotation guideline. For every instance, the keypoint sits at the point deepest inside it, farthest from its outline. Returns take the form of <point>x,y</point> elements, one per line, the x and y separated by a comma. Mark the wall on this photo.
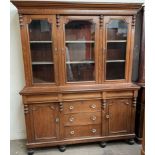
<point>17,124</point>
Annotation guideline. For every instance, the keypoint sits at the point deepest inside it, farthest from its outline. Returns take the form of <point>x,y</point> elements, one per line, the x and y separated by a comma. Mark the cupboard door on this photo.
<point>41,50</point>
<point>81,48</point>
<point>117,45</point>
<point>45,122</point>
<point>119,116</point>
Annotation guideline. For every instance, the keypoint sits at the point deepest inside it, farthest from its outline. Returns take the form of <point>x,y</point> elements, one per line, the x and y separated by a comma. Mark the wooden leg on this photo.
<point>62,148</point>
<point>131,141</point>
<point>30,152</point>
<point>103,144</point>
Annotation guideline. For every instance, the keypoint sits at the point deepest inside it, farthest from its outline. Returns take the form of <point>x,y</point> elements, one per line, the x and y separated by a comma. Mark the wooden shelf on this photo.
<point>80,41</point>
<point>40,41</point>
<point>42,63</point>
<point>115,61</point>
<point>116,41</point>
<point>79,62</point>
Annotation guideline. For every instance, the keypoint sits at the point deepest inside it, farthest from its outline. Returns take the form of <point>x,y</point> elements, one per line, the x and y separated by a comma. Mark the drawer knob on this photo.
<point>93,106</point>
<point>71,107</point>
<point>107,116</point>
<point>93,130</point>
<point>71,119</point>
<point>93,118</point>
<point>72,132</point>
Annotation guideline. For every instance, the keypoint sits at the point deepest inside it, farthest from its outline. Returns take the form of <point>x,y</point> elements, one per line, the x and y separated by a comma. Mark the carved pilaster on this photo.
<point>133,20</point>
<point>104,103</point>
<point>58,20</point>
<point>134,101</point>
<point>101,20</point>
<point>21,20</point>
<point>61,106</point>
<point>26,109</point>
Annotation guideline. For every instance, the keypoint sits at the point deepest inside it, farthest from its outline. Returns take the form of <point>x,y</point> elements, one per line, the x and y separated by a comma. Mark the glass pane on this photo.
<point>80,30</point>
<point>80,42</point>
<point>79,52</point>
<point>80,72</point>
<point>42,73</point>
<point>115,70</point>
<point>41,51</point>
<point>116,49</point>
<point>117,30</point>
<point>39,30</point>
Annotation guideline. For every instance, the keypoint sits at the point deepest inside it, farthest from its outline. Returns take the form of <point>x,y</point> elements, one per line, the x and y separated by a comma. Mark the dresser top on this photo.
<point>85,5</point>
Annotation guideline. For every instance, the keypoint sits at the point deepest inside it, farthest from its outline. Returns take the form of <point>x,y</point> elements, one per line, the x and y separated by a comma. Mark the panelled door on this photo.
<point>119,116</point>
<point>40,49</point>
<point>80,44</point>
<point>117,43</point>
<point>44,122</point>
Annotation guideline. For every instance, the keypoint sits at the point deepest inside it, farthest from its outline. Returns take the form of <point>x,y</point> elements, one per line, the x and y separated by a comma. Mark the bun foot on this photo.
<point>30,152</point>
<point>131,141</point>
<point>103,144</point>
<point>62,148</point>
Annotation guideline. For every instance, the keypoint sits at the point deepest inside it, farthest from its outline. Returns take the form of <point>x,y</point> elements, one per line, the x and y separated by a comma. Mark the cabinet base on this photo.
<point>62,148</point>
<point>30,152</point>
<point>130,141</point>
<point>103,144</point>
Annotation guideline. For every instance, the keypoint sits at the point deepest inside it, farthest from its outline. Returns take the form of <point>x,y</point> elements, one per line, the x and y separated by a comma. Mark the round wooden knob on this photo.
<point>93,130</point>
<point>93,106</point>
<point>71,119</point>
<point>93,118</point>
<point>72,132</point>
<point>71,107</point>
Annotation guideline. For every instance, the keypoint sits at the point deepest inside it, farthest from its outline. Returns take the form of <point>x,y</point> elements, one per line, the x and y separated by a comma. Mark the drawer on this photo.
<point>82,106</point>
<point>117,101</point>
<point>82,119</point>
<point>83,131</point>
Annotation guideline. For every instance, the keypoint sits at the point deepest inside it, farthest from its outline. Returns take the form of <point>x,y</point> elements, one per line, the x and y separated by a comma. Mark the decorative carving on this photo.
<point>101,20</point>
<point>21,20</point>
<point>134,101</point>
<point>61,106</point>
<point>58,20</point>
<point>133,20</point>
<point>26,109</point>
<point>104,103</point>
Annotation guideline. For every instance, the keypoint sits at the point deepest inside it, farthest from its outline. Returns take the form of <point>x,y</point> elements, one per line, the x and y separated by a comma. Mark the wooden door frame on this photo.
<point>129,51</point>
<point>26,19</point>
<point>64,20</point>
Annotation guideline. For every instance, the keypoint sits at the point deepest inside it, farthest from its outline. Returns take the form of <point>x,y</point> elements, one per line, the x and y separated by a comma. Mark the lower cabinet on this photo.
<point>84,120</point>
<point>43,122</point>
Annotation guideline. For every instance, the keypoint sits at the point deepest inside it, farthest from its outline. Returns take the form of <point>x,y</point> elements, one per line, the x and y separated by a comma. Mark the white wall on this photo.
<point>17,126</point>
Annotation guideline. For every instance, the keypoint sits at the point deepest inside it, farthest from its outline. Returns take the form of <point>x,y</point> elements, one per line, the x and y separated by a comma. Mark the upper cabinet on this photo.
<point>67,50</point>
<point>81,48</point>
<point>117,45</point>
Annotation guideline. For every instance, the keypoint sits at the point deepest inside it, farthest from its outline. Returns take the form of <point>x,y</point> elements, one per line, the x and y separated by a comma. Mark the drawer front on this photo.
<point>82,106</point>
<point>83,131</point>
<point>82,119</point>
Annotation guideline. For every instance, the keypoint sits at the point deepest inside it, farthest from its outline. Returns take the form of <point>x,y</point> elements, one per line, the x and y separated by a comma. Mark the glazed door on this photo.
<point>44,122</point>
<point>117,41</point>
<point>40,49</point>
<point>80,45</point>
<point>119,116</point>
